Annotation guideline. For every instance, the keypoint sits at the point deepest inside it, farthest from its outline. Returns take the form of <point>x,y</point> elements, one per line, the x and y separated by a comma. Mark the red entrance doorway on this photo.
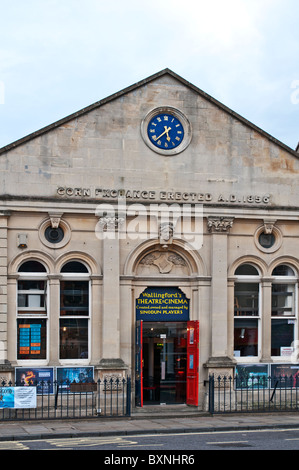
<point>166,363</point>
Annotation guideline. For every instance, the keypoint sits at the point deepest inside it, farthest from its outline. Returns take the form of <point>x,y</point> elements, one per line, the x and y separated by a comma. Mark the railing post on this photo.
<point>128,410</point>
<point>211,393</point>
<point>56,394</point>
<point>99,397</point>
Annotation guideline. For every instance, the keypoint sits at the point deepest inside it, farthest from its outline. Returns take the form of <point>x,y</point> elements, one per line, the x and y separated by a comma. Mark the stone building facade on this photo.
<point>154,234</point>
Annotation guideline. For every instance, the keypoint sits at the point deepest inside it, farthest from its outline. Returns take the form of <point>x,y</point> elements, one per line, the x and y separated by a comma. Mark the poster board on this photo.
<point>17,397</point>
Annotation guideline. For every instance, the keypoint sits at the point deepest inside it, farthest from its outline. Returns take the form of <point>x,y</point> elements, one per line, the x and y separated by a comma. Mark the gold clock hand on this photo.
<point>165,132</point>
<point>168,138</point>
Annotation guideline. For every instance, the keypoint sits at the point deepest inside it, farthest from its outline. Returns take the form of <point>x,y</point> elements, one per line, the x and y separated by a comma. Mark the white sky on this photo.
<point>58,56</point>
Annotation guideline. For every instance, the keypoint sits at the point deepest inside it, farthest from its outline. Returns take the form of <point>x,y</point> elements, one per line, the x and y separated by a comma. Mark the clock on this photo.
<point>166,130</point>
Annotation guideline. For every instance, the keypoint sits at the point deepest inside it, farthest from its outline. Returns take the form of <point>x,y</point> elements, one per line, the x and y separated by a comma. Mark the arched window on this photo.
<point>74,311</point>
<point>74,267</point>
<point>246,270</point>
<point>246,311</point>
<point>283,309</point>
<point>283,270</point>
<point>32,311</point>
<point>32,267</point>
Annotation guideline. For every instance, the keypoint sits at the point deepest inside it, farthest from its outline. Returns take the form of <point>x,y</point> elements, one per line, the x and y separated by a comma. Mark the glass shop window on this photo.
<point>74,298</point>
<point>31,311</point>
<point>246,337</point>
<point>74,311</point>
<point>246,311</point>
<point>283,310</point>
<point>73,338</point>
<point>246,299</point>
<point>32,339</point>
<point>32,296</point>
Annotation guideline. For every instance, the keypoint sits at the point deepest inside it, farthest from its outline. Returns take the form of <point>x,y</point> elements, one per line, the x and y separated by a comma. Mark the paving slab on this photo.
<point>130,426</point>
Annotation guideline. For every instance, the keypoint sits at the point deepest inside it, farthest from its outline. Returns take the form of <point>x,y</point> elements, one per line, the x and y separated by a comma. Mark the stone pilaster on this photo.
<point>266,320</point>
<point>111,294</point>
<point>219,361</point>
<point>4,216</point>
<point>96,318</point>
<point>53,322</point>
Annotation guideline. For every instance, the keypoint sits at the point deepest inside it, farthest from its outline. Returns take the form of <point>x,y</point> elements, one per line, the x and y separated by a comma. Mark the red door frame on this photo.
<point>139,364</point>
<point>192,362</point>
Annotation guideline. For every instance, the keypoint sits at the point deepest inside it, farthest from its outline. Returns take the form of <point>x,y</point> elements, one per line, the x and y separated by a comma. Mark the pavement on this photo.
<point>147,422</point>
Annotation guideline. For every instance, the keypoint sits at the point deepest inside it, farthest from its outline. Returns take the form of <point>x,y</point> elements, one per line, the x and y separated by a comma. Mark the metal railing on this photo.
<point>258,394</point>
<point>63,400</point>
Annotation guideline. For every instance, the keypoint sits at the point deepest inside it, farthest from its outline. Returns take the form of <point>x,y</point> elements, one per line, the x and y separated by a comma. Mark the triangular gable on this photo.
<point>135,87</point>
<point>103,150</point>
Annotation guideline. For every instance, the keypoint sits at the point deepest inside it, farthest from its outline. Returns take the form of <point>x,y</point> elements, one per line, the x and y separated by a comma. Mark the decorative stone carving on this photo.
<point>165,262</point>
<point>55,218</point>
<point>268,225</point>
<point>112,381</point>
<point>110,223</point>
<point>220,224</point>
<point>221,367</point>
<point>166,231</point>
<point>177,260</point>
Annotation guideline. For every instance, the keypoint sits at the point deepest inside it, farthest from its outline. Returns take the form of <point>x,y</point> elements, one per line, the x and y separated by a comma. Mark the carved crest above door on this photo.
<point>165,262</point>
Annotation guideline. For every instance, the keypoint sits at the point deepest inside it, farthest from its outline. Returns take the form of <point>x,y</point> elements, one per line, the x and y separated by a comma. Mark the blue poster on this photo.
<point>7,397</point>
<point>252,376</point>
<point>42,378</point>
<point>67,375</point>
<point>162,304</point>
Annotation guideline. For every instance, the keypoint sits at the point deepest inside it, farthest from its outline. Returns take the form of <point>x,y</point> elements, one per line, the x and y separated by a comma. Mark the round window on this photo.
<point>266,240</point>
<point>54,235</point>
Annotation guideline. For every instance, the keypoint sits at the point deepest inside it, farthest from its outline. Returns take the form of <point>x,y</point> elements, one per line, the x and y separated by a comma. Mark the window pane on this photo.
<point>246,270</point>
<point>31,339</point>
<point>32,267</point>
<point>74,267</point>
<point>246,337</point>
<point>266,240</point>
<point>283,270</point>
<point>283,299</point>
<point>282,335</point>
<point>31,285</point>
<point>246,299</point>
<point>74,298</point>
<point>31,301</point>
<point>31,295</point>
<point>73,339</point>
<point>54,235</point>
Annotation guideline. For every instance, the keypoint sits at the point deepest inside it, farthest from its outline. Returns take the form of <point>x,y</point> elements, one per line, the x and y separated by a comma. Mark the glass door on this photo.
<point>164,362</point>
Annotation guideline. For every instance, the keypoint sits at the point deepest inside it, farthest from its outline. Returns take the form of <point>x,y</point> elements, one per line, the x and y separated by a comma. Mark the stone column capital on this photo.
<point>111,223</point>
<point>220,224</point>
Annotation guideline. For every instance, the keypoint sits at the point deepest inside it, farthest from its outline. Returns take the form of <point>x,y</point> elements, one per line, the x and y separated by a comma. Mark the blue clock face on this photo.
<point>165,131</point>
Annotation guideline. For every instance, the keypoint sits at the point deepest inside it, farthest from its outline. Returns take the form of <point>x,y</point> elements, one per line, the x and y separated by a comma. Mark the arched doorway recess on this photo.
<point>166,290</point>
